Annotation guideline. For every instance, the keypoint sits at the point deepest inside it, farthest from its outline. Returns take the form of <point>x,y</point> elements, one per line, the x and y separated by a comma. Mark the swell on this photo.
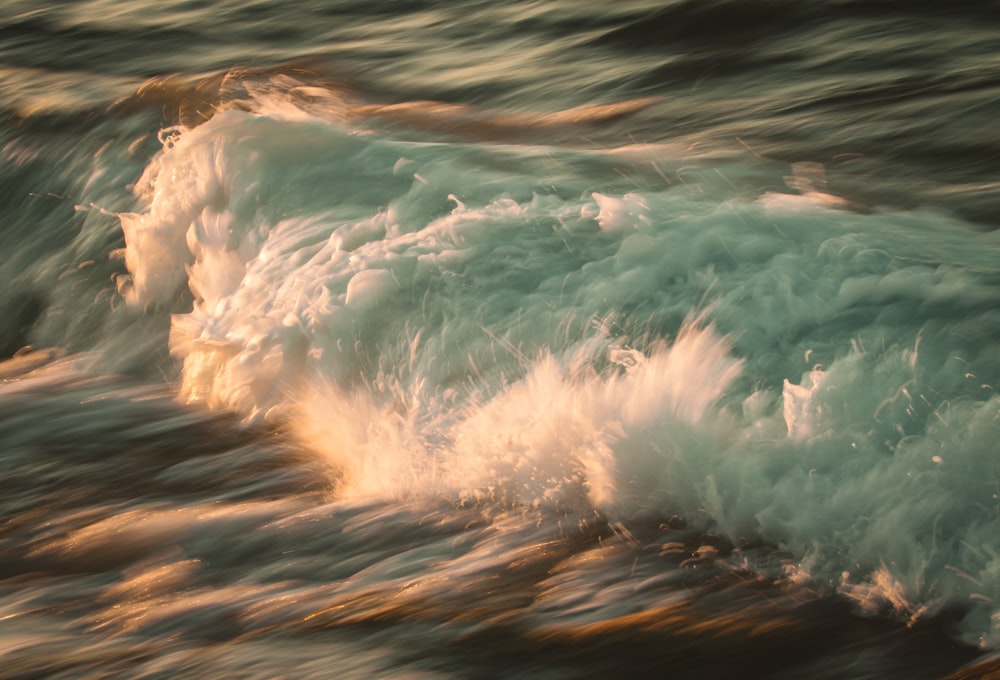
<point>728,25</point>
<point>43,41</point>
<point>891,98</point>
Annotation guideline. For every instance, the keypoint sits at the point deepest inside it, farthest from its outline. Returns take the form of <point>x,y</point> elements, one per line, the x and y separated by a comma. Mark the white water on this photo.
<point>642,331</point>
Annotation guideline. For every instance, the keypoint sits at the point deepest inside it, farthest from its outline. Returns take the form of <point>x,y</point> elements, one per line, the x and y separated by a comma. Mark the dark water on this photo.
<point>532,339</point>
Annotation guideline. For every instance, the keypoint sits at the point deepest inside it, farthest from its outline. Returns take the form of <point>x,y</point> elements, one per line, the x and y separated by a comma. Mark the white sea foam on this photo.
<point>518,325</point>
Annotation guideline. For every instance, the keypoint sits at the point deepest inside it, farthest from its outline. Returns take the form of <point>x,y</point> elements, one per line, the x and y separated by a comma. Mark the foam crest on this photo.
<point>563,436</point>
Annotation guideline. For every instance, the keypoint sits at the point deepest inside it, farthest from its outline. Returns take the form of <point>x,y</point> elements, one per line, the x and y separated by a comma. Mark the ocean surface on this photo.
<point>550,339</point>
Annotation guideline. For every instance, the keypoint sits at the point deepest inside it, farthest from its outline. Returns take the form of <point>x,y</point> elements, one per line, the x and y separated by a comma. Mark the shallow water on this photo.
<point>477,340</point>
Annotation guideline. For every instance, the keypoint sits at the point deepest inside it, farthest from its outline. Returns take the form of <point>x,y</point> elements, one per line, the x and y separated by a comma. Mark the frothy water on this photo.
<point>335,377</point>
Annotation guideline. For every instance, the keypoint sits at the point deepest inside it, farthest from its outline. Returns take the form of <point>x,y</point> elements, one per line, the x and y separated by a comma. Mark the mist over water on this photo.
<point>461,340</point>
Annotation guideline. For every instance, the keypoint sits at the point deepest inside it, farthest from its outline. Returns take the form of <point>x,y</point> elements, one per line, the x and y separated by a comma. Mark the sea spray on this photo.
<point>563,437</point>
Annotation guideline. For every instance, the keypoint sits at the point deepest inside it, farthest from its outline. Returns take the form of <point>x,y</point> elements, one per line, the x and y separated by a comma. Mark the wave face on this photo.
<point>618,331</point>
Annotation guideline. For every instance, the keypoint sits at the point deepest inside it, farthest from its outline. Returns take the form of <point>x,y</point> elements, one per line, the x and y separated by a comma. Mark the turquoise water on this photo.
<point>478,340</point>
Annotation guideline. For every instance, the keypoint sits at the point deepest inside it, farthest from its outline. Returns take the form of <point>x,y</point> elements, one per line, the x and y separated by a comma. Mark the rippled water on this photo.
<point>490,340</point>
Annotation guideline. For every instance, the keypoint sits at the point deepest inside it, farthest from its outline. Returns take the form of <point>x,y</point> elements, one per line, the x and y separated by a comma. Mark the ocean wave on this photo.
<point>502,324</point>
